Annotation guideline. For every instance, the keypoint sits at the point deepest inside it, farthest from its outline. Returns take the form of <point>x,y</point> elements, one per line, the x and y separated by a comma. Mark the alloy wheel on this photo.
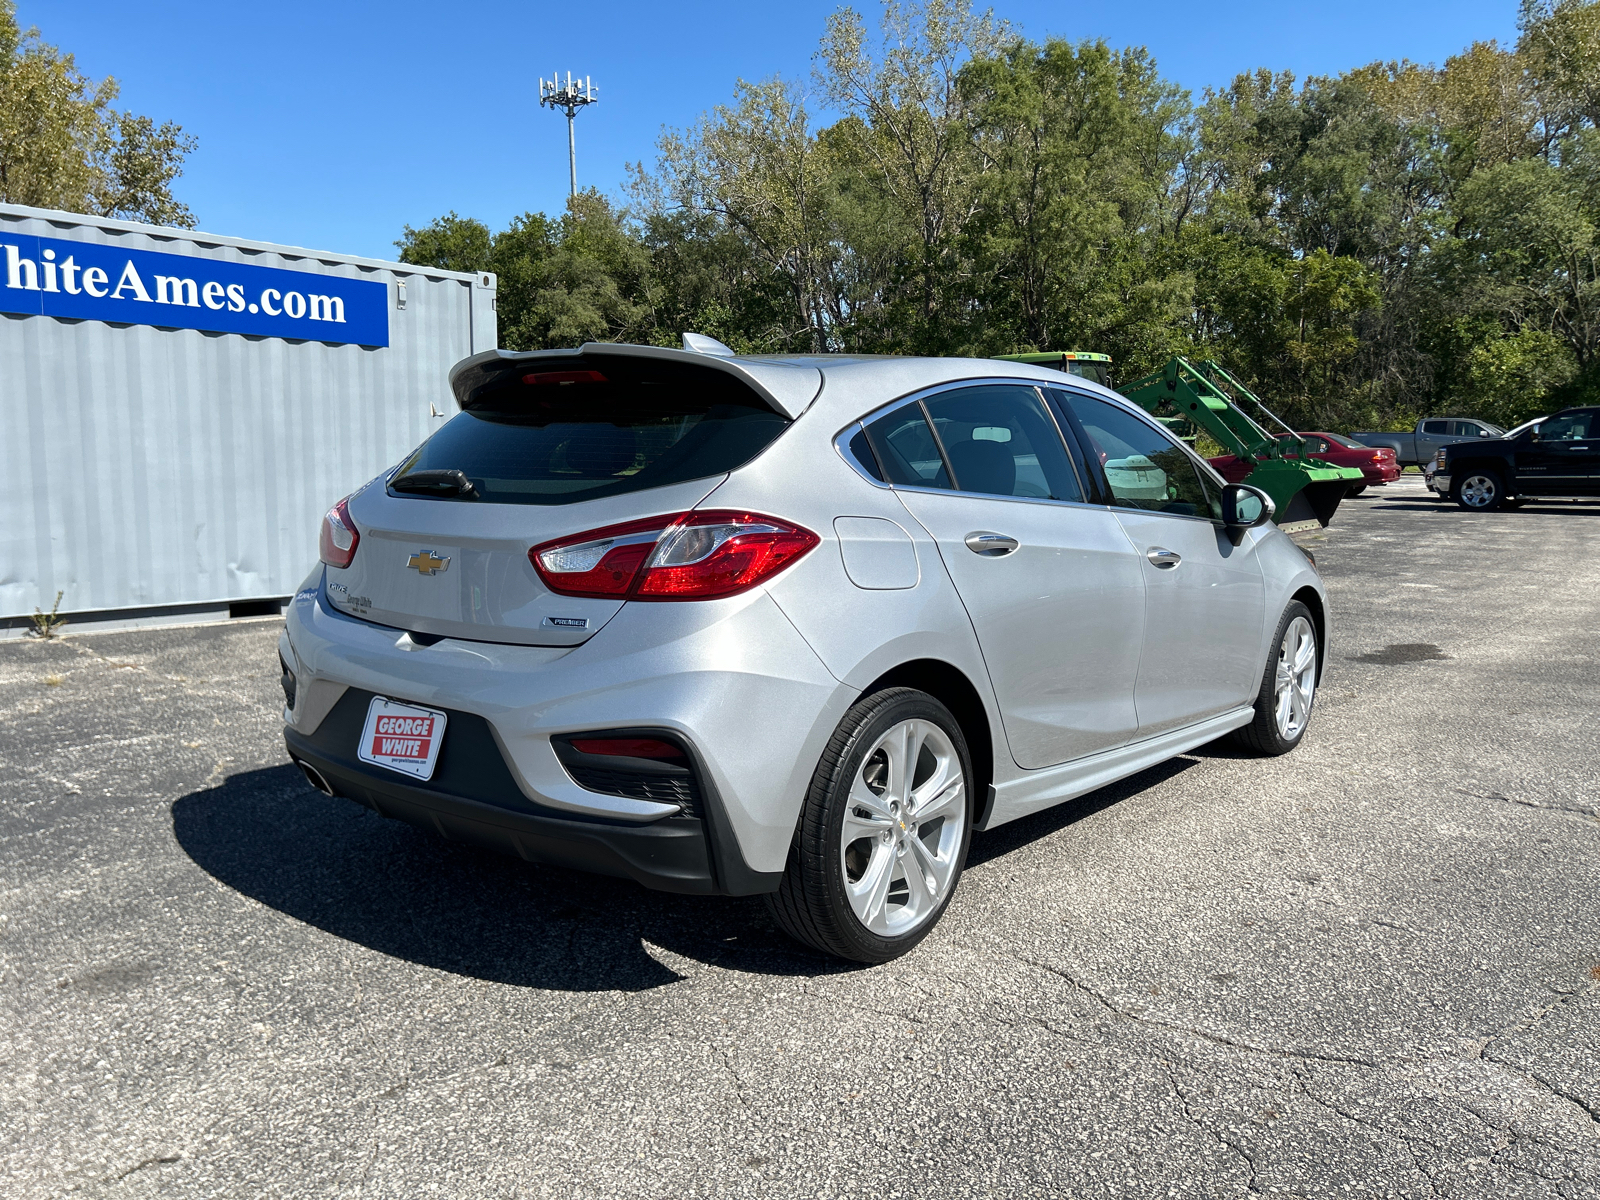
<point>903,829</point>
<point>1296,680</point>
<point>1479,491</point>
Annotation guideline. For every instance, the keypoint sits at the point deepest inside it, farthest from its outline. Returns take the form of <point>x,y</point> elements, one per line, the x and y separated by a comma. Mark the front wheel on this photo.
<point>1480,491</point>
<point>1288,686</point>
<point>884,831</point>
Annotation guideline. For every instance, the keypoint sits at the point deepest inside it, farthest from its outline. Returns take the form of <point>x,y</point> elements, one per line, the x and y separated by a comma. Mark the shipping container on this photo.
<point>180,408</point>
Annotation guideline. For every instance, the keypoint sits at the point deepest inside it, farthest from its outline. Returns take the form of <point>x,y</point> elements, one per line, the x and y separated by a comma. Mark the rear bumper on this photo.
<point>731,679</point>
<point>669,856</point>
<point>473,798</point>
<point>1380,475</point>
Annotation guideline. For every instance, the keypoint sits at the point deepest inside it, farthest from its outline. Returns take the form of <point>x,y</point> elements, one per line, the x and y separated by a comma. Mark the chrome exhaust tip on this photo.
<point>314,777</point>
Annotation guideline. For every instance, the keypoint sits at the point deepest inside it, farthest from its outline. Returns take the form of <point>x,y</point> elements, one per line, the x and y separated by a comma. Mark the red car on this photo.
<point>1377,464</point>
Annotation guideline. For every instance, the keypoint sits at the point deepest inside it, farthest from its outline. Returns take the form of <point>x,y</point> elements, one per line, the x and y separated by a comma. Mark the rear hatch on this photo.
<point>547,445</point>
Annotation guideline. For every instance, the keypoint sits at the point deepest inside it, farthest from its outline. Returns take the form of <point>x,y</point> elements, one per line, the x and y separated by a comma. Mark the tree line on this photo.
<point>1362,249</point>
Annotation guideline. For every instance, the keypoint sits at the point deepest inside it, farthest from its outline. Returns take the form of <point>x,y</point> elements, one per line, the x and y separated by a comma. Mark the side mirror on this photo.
<point>1243,508</point>
<point>1485,433</point>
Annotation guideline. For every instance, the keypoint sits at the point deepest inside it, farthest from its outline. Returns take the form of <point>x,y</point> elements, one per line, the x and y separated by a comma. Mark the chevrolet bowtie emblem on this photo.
<point>427,562</point>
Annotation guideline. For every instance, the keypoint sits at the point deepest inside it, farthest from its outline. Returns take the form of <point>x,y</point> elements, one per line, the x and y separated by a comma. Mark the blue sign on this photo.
<point>90,281</point>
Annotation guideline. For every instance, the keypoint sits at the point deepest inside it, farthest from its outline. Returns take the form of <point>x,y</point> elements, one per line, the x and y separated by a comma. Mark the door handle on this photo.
<point>990,545</point>
<point>1165,559</point>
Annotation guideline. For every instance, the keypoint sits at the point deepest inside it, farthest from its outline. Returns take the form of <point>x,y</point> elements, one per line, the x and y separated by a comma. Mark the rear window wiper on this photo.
<point>443,484</point>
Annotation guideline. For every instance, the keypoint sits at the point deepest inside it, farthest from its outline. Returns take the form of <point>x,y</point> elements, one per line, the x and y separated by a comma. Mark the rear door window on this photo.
<point>562,437</point>
<point>1000,440</point>
<point>1439,427</point>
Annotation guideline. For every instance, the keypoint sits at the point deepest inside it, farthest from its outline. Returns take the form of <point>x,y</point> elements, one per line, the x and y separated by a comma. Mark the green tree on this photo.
<point>757,169</point>
<point>63,145</point>
<point>1078,202</point>
<point>584,277</point>
<point>906,139</point>
<point>450,243</point>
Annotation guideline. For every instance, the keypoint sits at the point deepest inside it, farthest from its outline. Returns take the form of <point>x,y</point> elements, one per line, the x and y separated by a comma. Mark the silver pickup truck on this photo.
<point>1420,445</point>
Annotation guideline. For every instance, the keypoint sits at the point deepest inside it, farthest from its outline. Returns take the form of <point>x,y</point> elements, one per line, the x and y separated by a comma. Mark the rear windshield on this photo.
<point>1095,372</point>
<point>547,438</point>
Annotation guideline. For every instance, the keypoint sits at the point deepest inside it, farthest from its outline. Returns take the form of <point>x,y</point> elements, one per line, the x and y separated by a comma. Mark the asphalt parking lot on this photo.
<point>1369,969</point>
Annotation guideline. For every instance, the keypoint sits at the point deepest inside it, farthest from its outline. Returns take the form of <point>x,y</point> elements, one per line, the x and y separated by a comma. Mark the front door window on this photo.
<point>1144,469</point>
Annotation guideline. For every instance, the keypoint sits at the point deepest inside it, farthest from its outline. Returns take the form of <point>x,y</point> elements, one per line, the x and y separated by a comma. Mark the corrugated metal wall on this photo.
<point>142,466</point>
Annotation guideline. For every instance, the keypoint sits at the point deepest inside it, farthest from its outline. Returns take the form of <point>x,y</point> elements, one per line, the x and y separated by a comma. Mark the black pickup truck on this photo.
<point>1558,456</point>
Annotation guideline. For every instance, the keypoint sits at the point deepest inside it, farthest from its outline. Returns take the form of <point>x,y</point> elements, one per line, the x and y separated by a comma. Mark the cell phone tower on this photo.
<point>569,97</point>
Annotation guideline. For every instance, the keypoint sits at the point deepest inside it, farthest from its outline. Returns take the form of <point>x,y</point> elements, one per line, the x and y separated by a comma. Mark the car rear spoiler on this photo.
<point>787,388</point>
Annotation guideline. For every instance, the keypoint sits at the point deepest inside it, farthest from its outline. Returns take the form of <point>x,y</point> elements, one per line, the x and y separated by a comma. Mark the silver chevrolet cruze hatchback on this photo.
<point>791,626</point>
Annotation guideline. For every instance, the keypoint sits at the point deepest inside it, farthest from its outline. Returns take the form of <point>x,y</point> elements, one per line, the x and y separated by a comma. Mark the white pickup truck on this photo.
<point>1419,446</point>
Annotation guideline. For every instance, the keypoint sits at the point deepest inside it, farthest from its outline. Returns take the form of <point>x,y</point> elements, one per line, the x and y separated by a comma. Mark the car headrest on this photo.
<point>984,467</point>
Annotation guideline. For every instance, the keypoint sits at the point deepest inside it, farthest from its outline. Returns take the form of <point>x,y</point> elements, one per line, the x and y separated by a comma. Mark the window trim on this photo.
<point>842,439</point>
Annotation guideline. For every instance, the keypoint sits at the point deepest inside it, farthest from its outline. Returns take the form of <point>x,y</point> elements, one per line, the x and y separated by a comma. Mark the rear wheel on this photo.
<point>1355,489</point>
<point>1480,491</point>
<point>884,832</point>
<point>1288,686</point>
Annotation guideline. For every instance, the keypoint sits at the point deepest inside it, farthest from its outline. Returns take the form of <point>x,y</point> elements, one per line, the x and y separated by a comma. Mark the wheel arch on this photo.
<point>1499,466</point>
<point>1312,599</point>
<point>950,686</point>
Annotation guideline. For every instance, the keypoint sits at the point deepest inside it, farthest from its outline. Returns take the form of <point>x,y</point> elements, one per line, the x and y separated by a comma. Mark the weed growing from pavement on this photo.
<point>45,624</point>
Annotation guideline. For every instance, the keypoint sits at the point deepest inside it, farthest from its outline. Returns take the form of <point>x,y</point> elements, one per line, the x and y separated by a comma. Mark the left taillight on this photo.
<point>339,538</point>
<point>684,556</point>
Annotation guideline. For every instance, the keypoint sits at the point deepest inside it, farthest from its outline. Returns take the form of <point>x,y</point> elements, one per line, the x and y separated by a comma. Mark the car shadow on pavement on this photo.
<point>408,893</point>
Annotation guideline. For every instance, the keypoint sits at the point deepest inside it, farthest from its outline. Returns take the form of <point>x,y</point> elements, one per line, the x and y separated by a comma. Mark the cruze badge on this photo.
<point>427,562</point>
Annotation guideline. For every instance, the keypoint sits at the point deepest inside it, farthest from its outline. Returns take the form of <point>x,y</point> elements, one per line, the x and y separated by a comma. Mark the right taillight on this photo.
<point>338,540</point>
<point>684,556</point>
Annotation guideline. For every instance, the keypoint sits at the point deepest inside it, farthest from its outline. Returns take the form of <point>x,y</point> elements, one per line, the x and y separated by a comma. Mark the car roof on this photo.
<point>854,385</point>
<point>839,387</point>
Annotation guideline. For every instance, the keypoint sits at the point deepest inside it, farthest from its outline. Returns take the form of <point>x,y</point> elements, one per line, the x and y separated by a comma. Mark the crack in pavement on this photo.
<point>156,1160</point>
<point>1589,1110</point>
<point>738,1080</point>
<point>1251,1187</point>
<point>1587,810</point>
<point>1399,1070</point>
<point>1205,1035</point>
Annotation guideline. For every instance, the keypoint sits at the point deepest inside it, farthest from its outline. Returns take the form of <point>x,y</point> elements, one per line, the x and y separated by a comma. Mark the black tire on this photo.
<point>1478,489</point>
<point>1355,489</point>
<point>1262,735</point>
<point>811,904</point>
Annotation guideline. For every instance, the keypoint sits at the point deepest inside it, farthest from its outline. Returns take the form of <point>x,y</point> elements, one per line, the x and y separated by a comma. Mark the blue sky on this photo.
<point>331,125</point>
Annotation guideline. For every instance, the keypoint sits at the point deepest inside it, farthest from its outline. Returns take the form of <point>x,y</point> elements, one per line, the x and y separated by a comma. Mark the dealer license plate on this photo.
<point>402,737</point>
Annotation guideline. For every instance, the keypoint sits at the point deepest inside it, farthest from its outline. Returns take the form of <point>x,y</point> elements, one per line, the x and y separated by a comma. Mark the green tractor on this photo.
<point>1094,367</point>
<point>1187,399</point>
